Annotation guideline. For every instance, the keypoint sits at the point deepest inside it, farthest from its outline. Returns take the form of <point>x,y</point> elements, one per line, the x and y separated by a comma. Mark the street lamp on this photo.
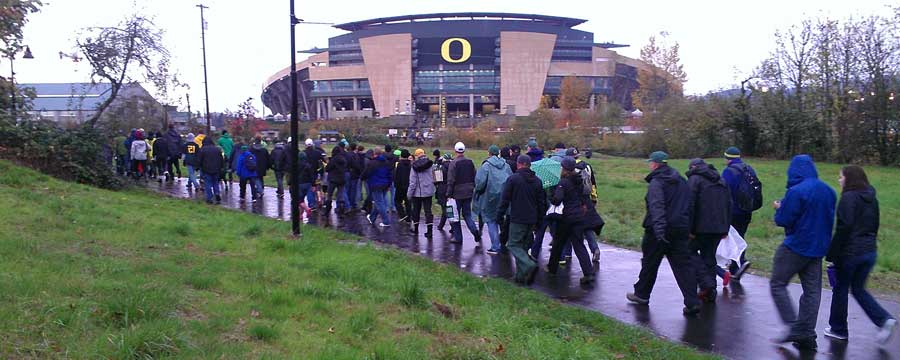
<point>12,78</point>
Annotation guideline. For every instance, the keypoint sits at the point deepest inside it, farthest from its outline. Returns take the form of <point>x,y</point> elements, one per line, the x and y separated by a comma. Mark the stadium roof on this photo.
<point>561,21</point>
<point>68,96</point>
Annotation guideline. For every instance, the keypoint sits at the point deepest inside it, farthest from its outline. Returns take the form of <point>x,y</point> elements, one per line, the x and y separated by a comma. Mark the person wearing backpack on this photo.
<point>746,197</point>
<point>139,149</point>
<point>710,221</point>
<point>246,171</point>
<point>489,182</point>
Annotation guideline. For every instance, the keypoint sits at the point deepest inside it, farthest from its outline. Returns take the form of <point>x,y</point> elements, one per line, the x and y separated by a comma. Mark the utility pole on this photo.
<point>188,97</point>
<point>205,79</point>
<point>295,117</point>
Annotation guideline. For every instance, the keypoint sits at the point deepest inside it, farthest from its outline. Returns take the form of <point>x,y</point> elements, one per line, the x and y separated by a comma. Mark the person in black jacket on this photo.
<point>355,167</point>
<point>161,157</point>
<point>305,176</point>
<point>263,163</point>
<point>573,223</point>
<point>441,163</point>
<point>192,161</point>
<point>337,169</point>
<point>173,141</point>
<point>401,185</point>
<point>280,163</point>
<point>523,202</point>
<point>211,163</point>
<point>710,221</point>
<point>853,252</point>
<point>666,234</point>
<point>315,156</point>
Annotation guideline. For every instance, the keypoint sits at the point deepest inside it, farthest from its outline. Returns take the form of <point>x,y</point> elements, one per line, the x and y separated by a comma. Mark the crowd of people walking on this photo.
<point>519,197</point>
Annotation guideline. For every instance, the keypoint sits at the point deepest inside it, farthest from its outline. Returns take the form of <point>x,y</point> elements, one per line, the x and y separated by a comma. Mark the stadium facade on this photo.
<point>452,64</point>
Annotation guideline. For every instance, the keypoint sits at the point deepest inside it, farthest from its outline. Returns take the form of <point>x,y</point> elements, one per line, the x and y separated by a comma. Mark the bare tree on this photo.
<point>120,54</point>
<point>879,52</point>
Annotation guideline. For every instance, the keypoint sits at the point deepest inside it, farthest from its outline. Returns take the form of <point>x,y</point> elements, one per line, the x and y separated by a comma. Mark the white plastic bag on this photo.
<point>730,248</point>
<point>452,214</point>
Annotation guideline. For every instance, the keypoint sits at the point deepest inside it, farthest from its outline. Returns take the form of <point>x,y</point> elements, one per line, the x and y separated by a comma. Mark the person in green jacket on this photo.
<point>227,146</point>
<point>489,183</point>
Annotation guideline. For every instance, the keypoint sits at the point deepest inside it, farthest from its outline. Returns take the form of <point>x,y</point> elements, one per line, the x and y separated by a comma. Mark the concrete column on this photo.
<point>330,108</point>
<point>355,104</point>
<point>471,105</point>
<point>593,100</point>
<point>319,109</point>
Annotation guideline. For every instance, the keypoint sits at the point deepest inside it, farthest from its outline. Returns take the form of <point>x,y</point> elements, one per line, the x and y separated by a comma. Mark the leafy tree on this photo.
<point>13,17</point>
<point>574,94</point>
<point>132,50</point>
<point>244,122</point>
<point>663,78</point>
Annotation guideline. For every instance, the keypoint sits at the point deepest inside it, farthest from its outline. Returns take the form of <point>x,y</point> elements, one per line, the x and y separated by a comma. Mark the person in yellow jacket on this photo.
<point>199,140</point>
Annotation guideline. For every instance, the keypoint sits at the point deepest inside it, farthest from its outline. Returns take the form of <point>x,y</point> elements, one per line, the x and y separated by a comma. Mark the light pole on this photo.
<point>12,79</point>
<point>205,80</point>
<point>295,118</point>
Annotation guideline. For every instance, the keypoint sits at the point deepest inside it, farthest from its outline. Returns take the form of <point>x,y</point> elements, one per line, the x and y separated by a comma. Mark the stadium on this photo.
<point>452,65</point>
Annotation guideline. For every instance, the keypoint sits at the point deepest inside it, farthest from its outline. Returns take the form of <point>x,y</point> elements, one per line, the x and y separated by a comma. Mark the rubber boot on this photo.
<point>414,228</point>
<point>428,232</point>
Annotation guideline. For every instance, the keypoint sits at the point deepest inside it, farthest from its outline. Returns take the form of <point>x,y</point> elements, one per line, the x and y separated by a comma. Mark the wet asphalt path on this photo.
<point>739,326</point>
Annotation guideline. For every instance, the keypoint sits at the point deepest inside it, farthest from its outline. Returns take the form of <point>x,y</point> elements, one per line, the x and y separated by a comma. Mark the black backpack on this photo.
<point>749,196</point>
<point>250,162</point>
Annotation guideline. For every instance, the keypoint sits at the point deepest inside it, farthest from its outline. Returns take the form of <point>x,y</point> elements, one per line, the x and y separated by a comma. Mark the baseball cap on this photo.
<point>459,147</point>
<point>308,142</point>
<point>573,152</point>
<point>659,157</point>
<point>568,164</point>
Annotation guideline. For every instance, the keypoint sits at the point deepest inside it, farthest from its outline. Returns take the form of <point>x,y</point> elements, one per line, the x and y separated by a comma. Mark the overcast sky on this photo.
<point>247,41</point>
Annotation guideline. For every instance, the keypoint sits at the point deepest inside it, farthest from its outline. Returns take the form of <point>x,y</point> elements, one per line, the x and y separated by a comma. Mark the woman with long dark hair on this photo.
<point>853,252</point>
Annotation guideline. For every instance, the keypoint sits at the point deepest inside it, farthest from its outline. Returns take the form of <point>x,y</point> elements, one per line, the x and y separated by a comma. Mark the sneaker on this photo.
<point>636,299</point>
<point>887,330</point>
<point>587,279</point>
<point>384,225</point>
<point>218,198</point>
<point>726,278</point>
<point>493,252</point>
<point>596,257</point>
<point>833,334</point>
<point>740,272</point>
<point>691,310</point>
<point>367,218</point>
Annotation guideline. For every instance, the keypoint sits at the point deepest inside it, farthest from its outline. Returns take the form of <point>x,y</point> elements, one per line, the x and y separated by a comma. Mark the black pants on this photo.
<point>402,203</point>
<point>442,202</point>
<point>568,232</point>
<point>677,251</point>
<point>173,163</point>
<point>703,251</point>
<point>740,223</point>
<point>419,204</point>
<point>253,187</point>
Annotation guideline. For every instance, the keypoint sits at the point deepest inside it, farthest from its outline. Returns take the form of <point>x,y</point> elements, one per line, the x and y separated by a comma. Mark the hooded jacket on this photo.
<point>856,232</point>
<point>315,157</point>
<point>378,174</point>
<point>210,159</point>
<point>807,210</point>
<point>710,201</point>
<point>461,178</point>
<point>489,186</point>
<point>227,144</point>
<point>337,167</point>
<point>667,201</point>
<point>523,198</point>
<point>421,179</point>
<point>263,160</point>
<point>402,171</point>
<point>161,149</point>
<point>535,154</point>
<point>173,141</point>
<point>355,164</point>
<point>280,161</point>
<point>242,171</point>
<point>191,153</point>
<point>570,193</point>
<point>139,147</point>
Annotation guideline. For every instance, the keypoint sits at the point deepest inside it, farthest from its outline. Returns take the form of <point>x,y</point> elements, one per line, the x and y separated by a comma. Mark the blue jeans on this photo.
<point>852,273</point>
<point>465,212</point>
<point>494,233</point>
<point>353,192</point>
<point>312,199</point>
<point>393,204</point>
<point>378,197</point>
<point>539,236</point>
<point>192,177</point>
<point>211,185</point>
<point>304,190</point>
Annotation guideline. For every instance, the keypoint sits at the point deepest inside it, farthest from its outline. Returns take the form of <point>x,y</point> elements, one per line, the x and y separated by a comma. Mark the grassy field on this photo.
<point>88,273</point>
